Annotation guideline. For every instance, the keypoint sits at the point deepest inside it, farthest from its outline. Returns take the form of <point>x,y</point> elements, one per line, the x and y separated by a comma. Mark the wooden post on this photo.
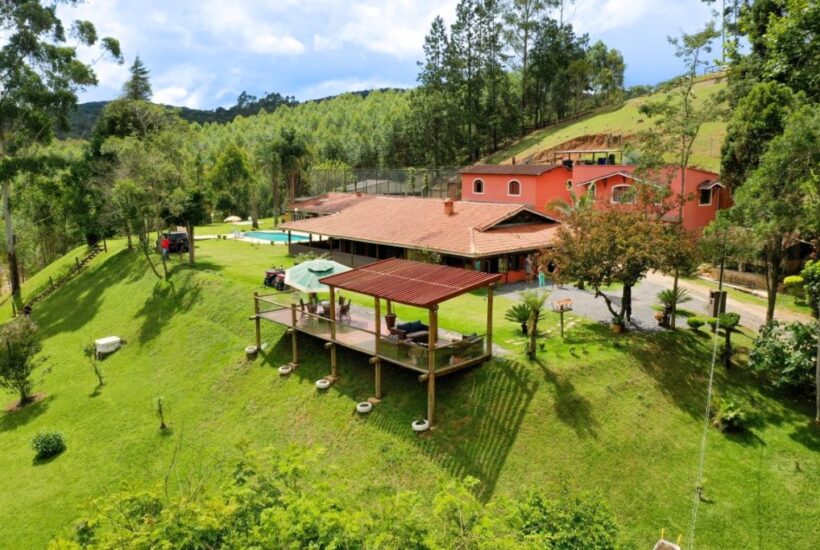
<point>431,365</point>
<point>378,370</point>
<point>489,350</point>
<point>561,313</point>
<point>389,306</point>
<point>293,334</point>
<point>256,320</point>
<point>77,263</point>
<point>51,283</point>
<point>334,368</point>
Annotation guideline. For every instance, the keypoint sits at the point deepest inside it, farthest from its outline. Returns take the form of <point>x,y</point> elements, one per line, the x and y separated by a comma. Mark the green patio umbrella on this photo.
<point>306,275</point>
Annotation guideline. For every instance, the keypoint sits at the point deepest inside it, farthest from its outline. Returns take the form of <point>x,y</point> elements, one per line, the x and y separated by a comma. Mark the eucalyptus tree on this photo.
<point>40,75</point>
<point>677,120</point>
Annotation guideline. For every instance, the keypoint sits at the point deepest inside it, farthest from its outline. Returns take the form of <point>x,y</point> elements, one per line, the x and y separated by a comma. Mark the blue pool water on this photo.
<point>275,236</point>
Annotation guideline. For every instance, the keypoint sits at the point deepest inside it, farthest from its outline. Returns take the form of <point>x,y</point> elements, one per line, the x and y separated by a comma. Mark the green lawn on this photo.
<point>618,415</point>
<point>784,301</point>
<point>625,120</point>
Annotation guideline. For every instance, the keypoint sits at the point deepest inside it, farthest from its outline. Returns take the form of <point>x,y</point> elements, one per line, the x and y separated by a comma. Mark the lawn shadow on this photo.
<point>572,409</point>
<point>479,410</point>
<point>167,299</point>
<point>808,435</point>
<point>86,289</point>
<point>14,419</point>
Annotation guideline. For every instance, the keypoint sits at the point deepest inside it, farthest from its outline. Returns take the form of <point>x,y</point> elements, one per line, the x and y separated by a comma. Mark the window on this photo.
<point>478,187</point>
<point>705,198</point>
<point>514,188</point>
<point>623,194</point>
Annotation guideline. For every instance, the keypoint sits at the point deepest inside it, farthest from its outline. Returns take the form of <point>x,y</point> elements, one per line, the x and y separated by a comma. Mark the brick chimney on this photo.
<point>448,207</point>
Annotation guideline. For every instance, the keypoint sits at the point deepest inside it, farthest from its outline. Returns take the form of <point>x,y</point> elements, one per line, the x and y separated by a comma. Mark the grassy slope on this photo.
<point>625,120</point>
<point>620,416</point>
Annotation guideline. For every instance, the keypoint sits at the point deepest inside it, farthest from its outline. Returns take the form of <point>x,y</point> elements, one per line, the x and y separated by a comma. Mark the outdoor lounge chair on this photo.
<point>344,309</point>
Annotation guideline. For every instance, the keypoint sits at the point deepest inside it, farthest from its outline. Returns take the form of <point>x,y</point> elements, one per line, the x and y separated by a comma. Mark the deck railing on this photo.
<point>283,308</point>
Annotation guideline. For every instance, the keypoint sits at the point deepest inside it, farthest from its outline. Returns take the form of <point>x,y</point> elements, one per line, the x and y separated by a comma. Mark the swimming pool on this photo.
<point>274,236</point>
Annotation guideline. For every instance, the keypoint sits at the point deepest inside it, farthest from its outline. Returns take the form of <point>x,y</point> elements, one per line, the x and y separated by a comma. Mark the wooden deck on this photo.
<point>359,333</point>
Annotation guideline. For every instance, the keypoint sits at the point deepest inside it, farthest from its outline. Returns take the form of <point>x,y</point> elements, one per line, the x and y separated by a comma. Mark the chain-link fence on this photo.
<point>419,182</point>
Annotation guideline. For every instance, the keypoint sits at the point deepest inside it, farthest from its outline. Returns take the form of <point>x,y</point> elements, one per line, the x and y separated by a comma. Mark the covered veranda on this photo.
<point>421,347</point>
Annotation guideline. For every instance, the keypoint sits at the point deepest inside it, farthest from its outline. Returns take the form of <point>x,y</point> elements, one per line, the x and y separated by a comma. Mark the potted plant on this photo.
<point>390,320</point>
<point>618,325</point>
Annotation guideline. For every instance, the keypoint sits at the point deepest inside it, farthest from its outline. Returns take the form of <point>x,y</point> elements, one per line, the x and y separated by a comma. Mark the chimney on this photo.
<point>448,207</point>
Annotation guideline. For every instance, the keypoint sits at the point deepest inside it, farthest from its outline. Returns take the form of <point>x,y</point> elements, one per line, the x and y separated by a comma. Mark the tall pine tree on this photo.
<point>138,87</point>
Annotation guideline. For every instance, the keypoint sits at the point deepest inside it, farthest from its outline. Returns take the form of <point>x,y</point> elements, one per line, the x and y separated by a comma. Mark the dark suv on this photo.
<point>179,242</point>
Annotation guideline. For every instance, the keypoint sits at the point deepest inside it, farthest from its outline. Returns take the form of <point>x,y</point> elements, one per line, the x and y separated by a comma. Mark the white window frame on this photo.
<point>711,196</point>
<point>509,194</point>
<point>612,194</point>
<point>483,183</point>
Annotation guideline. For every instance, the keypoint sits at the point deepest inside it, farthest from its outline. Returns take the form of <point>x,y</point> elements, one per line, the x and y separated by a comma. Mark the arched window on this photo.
<point>478,187</point>
<point>514,188</point>
<point>623,194</point>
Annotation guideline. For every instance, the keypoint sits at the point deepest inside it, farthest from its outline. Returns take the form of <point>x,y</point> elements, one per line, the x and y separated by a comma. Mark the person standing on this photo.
<point>528,268</point>
<point>166,246</point>
<point>542,277</point>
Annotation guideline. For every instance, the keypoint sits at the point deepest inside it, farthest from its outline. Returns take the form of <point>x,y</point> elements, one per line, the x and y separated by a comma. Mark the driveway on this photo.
<point>644,297</point>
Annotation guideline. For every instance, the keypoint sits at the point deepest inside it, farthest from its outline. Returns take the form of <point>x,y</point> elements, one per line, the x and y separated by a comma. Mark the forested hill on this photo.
<point>82,120</point>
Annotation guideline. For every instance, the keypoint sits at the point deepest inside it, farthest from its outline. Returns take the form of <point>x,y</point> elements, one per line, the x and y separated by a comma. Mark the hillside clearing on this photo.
<point>623,121</point>
<point>621,416</point>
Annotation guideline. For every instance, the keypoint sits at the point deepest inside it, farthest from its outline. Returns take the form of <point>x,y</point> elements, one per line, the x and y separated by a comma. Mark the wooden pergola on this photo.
<point>399,281</point>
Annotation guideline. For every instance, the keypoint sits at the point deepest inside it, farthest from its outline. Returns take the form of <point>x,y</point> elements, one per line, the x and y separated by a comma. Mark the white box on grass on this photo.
<point>109,344</point>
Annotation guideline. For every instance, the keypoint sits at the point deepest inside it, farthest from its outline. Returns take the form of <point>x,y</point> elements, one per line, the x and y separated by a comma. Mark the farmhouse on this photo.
<point>538,185</point>
<point>490,237</point>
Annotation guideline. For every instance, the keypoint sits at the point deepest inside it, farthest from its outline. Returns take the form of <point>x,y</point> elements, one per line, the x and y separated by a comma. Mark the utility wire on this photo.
<point>699,477</point>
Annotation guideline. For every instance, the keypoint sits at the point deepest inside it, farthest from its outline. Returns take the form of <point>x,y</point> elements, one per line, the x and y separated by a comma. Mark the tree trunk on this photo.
<point>817,374</point>
<point>11,249</point>
<point>254,211</point>
<point>626,306</point>
<point>191,255</point>
<point>772,278</point>
<point>144,246</point>
<point>128,235</point>
<point>275,191</point>
<point>674,313</point>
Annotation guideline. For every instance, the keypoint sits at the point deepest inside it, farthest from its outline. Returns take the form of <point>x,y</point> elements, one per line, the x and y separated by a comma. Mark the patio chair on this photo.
<point>344,310</point>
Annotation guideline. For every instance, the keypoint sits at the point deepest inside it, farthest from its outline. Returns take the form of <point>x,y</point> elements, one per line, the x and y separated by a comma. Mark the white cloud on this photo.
<point>173,95</point>
<point>322,42</point>
<point>600,16</point>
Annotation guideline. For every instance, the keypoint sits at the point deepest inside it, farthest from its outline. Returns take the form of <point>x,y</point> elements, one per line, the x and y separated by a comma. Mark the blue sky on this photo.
<point>203,53</point>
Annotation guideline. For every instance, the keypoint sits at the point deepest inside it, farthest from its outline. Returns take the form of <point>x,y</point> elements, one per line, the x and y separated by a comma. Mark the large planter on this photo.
<point>618,328</point>
<point>390,320</point>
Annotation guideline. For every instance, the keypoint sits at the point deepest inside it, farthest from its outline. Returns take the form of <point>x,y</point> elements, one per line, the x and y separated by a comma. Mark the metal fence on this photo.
<point>419,182</point>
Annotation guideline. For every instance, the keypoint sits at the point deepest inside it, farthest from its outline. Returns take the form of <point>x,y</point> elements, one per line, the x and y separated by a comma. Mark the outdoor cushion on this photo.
<point>412,326</point>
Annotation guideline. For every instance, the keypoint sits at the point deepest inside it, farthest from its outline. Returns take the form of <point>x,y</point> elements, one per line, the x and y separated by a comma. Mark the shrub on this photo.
<point>786,353</point>
<point>20,343</point>
<point>48,444</point>
<point>519,313</point>
<point>568,522</point>
<point>670,297</point>
<point>695,322</point>
<point>811,284</point>
<point>794,285</point>
<point>730,414</point>
<point>729,320</point>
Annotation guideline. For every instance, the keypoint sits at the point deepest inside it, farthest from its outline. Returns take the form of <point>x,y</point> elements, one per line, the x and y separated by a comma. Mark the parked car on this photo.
<point>179,242</point>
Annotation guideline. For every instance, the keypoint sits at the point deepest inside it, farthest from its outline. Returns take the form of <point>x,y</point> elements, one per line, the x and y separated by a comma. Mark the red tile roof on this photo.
<point>412,283</point>
<point>511,169</point>
<point>475,229</point>
<point>329,203</point>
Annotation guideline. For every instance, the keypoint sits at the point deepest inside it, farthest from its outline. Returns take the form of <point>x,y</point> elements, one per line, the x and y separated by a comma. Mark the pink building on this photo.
<point>538,185</point>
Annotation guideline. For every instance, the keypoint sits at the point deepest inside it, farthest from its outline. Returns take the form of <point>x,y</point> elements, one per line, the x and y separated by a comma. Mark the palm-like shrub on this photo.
<point>519,313</point>
<point>670,298</point>
<point>534,301</point>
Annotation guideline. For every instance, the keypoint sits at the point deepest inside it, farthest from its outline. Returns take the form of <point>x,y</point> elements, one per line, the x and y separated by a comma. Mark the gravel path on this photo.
<point>644,297</point>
